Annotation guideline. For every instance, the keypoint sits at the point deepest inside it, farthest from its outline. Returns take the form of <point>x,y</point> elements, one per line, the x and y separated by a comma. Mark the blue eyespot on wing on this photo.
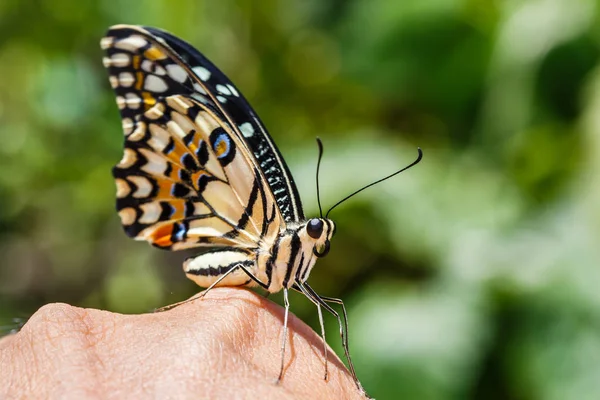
<point>146,64</point>
<point>184,181</point>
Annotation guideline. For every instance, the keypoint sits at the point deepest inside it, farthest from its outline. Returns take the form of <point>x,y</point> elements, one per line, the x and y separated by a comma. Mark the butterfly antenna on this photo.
<point>419,157</point>
<point>320,144</point>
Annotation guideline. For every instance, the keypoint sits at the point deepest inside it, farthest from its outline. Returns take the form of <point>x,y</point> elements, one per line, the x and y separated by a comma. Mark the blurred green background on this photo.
<point>473,275</point>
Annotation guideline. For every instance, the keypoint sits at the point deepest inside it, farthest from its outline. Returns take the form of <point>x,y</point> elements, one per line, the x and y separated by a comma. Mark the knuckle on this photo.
<point>57,323</point>
<point>51,317</point>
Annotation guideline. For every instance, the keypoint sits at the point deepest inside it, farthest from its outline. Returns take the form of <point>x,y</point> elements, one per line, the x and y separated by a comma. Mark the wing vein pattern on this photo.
<point>199,168</point>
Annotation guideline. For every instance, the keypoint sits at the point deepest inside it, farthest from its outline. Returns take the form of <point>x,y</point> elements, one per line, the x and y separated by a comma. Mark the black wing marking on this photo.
<point>206,83</point>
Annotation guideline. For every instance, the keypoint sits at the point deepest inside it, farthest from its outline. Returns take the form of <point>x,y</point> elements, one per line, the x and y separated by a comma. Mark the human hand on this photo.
<point>224,346</point>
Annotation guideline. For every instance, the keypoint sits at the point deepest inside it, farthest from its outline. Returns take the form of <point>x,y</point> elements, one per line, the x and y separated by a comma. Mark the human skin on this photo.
<point>224,346</point>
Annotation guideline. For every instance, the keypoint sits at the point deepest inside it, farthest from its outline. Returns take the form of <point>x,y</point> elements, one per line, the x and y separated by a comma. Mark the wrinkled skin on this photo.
<point>224,346</point>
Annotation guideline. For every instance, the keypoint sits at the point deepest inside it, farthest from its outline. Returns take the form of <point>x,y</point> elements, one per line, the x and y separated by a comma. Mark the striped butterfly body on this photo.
<point>200,170</point>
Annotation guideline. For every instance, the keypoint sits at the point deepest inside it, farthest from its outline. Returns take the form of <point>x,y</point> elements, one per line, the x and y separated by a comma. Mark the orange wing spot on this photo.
<point>193,143</point>
<point>175,155</point>
<point>136,62</point>
<point>164,189</point>
<point>174,175</point>
<point>221,148</point>
<point>149,100</point>
<point>195,178</point>
<point>139,80</point>
<point>178,209</point>
<point>162,235</point>
<point>179,150</point>
<point>154,54</point>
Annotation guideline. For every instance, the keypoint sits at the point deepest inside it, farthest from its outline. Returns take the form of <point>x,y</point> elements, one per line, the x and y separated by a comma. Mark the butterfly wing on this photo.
<point>164,64</point>
<point>186,178</point>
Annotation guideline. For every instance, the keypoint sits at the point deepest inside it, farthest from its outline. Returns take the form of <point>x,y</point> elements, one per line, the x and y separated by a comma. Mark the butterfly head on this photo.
<point>320,231</point>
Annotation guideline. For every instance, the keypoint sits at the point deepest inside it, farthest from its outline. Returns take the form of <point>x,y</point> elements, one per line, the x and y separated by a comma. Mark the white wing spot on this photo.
<point>176,72</point>
<point>127,216</point>
<point>202,99</point>
<point>150,213</point>
<point>129,158</point>
<point>126,79</point>
<point>221,99</point>
<point>223,90</point>
<point>155,112</point>
<point>198,88</point>
<point>127,126</point>
<point>156,165</point>
<point>247,129</point>
<point>144,187</point>
<point>106,42</point>
<point>179,103</point>
<point>147,65</point>
<point>153,68</point>
<point>131,43</point>
<point>120,102</point>
<point>233,90</point>
<point>158,70</point>
<point>133,101</point>
<point>202,73</point>
<point>138,133</point>
<point>155,84</point>
<point>159,138</point>
<point>123,188</point>
<point>119,60</point>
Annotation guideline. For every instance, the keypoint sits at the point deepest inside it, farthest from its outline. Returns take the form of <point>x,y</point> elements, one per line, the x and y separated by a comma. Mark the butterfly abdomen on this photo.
<point>279,265</point>
<point>205,269</point>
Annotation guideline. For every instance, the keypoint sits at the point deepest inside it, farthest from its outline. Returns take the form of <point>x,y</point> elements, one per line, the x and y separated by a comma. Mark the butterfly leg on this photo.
<point>222,277</point>
<point>324,340</point>
<point>171,306</point>
<point>284,339</point>
<point>198,295</point>
<point>325,352</point>
<point>322,300</point>
<point>230,270</point>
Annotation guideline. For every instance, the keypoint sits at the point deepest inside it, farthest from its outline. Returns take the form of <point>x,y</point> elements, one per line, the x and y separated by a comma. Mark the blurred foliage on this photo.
<point>473,275</point>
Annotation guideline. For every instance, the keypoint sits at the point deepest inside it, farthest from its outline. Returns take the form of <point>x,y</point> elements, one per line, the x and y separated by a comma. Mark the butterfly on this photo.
<point>199,169</point>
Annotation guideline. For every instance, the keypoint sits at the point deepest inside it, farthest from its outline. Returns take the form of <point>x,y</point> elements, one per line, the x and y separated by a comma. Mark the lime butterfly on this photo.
<point>199,169</point>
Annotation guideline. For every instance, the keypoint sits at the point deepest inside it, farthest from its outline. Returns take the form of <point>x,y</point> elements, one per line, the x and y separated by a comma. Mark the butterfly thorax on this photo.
<point>278,264</point>
<point>294,253</point>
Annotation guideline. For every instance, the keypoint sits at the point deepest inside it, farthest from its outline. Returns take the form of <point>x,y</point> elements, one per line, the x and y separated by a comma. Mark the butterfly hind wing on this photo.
<point>184,181</point>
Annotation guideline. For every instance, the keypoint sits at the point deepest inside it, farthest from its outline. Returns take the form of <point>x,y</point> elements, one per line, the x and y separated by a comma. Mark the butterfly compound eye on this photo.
<point>314,228</point>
